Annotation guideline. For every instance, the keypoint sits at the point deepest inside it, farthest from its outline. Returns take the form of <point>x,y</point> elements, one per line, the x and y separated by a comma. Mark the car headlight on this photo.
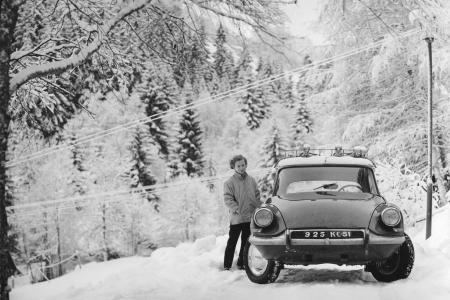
<point>391,216</point>
<point>263,217</point>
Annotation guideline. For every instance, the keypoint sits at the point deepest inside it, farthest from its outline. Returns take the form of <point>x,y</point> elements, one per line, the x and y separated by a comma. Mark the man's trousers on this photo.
<point>242,229</point>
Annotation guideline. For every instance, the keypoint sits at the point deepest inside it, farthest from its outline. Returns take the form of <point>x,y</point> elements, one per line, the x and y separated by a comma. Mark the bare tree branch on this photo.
<point>84,13</point>
<point>146,44</point>
<point>57,86</point>
<point>226,15</point>
<point>53,11</point>
<point>273,47</point>
<point>19,54</point>
<point>379,18</point>
<point>254,21</point>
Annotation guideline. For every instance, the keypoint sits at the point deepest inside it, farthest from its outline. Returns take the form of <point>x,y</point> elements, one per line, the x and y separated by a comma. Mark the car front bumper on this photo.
<point>339,251</point>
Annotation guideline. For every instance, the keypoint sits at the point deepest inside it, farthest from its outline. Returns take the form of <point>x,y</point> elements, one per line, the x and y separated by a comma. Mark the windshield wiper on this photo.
<point>333,185</point>
<point>326,193</point>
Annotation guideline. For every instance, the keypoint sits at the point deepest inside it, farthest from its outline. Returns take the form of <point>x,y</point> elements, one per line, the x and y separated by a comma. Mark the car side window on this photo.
<point>372,184</point>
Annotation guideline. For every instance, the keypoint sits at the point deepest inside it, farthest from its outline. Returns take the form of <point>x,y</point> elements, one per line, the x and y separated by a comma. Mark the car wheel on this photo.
<point>397,266</point>
<point>259,269</point>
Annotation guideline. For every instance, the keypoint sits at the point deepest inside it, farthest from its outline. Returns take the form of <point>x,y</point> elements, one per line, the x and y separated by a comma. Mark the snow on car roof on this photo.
<point>319,160</point>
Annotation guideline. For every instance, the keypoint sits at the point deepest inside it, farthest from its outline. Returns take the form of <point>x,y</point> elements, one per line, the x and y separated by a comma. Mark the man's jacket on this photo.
<point>241,196</point>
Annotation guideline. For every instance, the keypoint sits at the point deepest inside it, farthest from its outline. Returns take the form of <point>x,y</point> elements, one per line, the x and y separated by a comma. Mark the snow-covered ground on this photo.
<point>193,271</point>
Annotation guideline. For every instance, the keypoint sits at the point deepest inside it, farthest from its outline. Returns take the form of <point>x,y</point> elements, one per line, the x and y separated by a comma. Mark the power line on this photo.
<point>200,102</point>
<point>78,200</point>
<point>112,199</point>
<point>139,189</point>
<point>149,188</point>
<point>132,124</point>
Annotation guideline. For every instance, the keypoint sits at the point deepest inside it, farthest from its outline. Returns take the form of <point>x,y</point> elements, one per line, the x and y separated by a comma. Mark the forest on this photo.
<point>118,118</point>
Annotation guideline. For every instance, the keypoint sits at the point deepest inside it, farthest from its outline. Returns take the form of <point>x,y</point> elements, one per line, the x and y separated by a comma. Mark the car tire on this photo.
<point>397,266</point>
<point>267,274</point>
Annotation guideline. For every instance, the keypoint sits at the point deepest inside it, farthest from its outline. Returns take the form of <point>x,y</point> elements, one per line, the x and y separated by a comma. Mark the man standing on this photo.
<point>241,196</point>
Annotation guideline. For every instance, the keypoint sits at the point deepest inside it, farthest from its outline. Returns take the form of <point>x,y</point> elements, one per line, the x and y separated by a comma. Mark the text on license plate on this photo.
<point>318,234</point>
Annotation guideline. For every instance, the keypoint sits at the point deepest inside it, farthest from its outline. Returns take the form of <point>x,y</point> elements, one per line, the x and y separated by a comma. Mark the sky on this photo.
<point>301,16</point>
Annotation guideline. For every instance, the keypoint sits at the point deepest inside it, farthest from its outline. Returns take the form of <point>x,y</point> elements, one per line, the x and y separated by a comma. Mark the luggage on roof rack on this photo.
<point>306,151</point>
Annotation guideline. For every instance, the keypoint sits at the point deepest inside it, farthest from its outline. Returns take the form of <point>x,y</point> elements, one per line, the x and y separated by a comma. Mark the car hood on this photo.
<point>338,210</point>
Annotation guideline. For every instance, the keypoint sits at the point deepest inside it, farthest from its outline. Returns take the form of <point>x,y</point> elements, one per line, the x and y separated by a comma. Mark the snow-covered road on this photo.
<point>193,271</point>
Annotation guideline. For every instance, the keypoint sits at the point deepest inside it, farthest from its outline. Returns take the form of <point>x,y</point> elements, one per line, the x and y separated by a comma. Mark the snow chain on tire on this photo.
<point>271,272</point>
<point>404,265</point>
<point>410,257</point>
<point>276,271</point>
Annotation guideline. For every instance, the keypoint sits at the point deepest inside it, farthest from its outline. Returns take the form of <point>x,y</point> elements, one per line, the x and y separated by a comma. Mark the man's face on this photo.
<point>240,166</point>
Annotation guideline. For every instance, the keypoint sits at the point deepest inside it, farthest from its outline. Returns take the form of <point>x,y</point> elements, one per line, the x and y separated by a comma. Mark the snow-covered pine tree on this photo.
<point>303,120</point>
<point>324,78</point>
<point>187,157</point>
<point>198,66</point>
<point>303,88</point>
<point>189,54</point>
<point>79,173</point>
<point>303,123</point>
<point>206,67</point>
<point>280,85</point>
<point>174,169</point>
<point>158,95</point>
<point>211,171</point>
<point>265,70</point>
<point>241,67</point>
<point>287,94</point>
<point>272,153</point>
<point>139,171</point>
<point>222,62</point>
<point>305,81</point>
<point>253,107</point>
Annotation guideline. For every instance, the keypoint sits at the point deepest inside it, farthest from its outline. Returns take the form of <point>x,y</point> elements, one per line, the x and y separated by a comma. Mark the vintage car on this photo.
<point>327,209</point>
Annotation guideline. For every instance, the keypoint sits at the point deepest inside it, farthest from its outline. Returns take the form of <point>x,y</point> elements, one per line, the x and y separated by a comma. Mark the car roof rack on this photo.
<point>338,151</point>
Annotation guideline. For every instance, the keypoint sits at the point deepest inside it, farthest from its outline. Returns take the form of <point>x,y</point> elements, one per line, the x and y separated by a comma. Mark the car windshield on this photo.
<point>326,180</point>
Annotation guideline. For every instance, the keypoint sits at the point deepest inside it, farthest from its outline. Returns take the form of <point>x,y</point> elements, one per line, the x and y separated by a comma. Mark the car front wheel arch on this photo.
<point>258,269</point>
<point>397,266</point>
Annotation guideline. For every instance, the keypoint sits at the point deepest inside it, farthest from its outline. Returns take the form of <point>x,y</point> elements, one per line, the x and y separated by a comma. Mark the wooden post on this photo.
<point>58,236</point>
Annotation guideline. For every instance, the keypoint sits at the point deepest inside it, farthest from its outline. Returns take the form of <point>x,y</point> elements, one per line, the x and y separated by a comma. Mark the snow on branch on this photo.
<point>56,67</point>
<point>226,14</point>
<point>256,15</point>
<point>34,52</point>
<point>19,54</point>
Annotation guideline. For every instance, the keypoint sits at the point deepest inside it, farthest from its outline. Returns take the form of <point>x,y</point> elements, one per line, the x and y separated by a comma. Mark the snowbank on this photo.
<point>193,271</point>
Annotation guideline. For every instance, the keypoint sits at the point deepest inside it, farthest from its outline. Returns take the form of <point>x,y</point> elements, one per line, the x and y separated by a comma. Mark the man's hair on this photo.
<point>237,158</point>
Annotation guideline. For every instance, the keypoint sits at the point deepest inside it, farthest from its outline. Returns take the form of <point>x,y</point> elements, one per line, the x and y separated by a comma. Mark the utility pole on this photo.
<point>429,41</point>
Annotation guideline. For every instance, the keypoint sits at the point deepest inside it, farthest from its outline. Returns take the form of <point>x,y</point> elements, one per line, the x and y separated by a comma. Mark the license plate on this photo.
<point>327,234</point>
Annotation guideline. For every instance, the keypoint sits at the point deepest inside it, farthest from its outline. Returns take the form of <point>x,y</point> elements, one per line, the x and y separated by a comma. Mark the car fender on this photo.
<point>377,226</point>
